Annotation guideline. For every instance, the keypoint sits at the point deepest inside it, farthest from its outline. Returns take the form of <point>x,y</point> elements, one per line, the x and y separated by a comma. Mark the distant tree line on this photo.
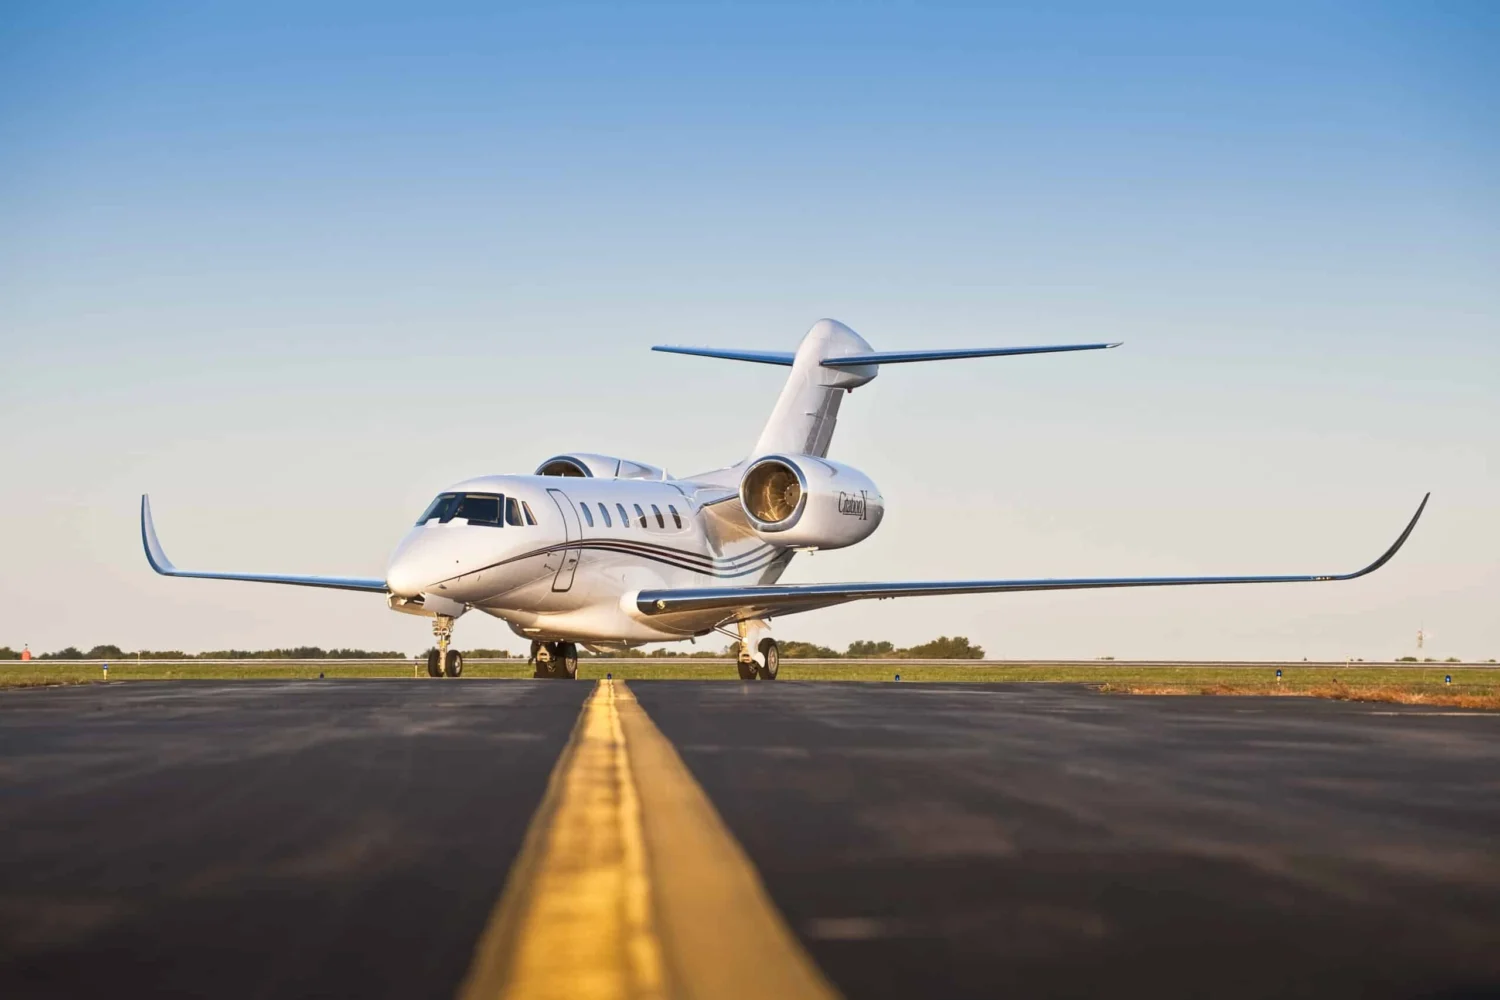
<point>942,648</point>
<point>109,652</point>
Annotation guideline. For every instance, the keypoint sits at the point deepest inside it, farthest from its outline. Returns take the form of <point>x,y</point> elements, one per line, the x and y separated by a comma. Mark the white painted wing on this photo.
<point>159,562</point>
<point>743,603</point>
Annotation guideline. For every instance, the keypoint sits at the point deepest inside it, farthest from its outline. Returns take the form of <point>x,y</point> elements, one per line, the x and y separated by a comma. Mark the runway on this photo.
<point>342,838</point>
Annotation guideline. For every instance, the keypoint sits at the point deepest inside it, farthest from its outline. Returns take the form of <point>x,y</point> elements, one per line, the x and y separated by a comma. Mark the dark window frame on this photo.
<point>437,507</point>
<point>640,514</point>
<point>588,517</point>
<point>450,506</point>
<point>676,517</point>
<point>498,520</point>
<point>661,522</point>
<point>624,517</point>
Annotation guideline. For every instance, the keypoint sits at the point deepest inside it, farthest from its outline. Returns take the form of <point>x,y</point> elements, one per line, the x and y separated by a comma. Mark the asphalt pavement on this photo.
<point>345,838</point>
<point>263,839</point>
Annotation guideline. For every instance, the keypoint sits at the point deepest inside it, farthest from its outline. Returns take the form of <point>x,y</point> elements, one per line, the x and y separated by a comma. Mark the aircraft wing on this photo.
<point>159,562</point>
<point>742,603</point>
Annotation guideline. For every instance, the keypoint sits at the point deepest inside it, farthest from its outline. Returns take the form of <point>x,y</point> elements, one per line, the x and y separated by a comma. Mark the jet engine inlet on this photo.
<point>771,492</point>
<point>579,465</point>
<point>807,502</point>
<point>564,465</point>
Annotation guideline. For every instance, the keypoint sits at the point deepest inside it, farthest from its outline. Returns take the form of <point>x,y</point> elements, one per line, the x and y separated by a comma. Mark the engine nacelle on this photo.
<point>802,501</point>
<point>598,467</point>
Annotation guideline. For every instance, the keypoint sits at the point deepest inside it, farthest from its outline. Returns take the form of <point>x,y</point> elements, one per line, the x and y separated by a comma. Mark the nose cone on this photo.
<point>414,566</point>
<point>402,581</point>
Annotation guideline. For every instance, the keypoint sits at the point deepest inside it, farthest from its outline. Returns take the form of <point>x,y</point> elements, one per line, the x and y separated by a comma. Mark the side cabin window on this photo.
<point>676,517</point>
<point>588,518</point>
<point>624,517</point>
<point>604,513</point>
<point>660,521</point>
<point>640,514</point>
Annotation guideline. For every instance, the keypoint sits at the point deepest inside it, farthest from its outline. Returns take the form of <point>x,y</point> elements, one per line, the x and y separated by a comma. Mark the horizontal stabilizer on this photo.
<point>762,357</point>
<point>786,358</point>
<point>902,357</point>
<point>159,562</point>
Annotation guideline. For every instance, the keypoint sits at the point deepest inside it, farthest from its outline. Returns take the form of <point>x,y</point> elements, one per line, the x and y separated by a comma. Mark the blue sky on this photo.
<point>292,268</point>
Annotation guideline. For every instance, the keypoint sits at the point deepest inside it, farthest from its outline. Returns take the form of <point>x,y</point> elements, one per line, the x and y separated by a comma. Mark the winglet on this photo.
<point>1396,547</point>
<point>159,562</point>
<point>154,554</point>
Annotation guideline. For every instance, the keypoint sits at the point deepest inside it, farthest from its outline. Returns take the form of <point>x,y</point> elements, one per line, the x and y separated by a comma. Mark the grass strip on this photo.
<point>1472,687</point>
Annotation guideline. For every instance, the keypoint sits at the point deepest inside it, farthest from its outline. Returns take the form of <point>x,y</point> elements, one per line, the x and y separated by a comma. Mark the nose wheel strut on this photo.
<point>442,661</point>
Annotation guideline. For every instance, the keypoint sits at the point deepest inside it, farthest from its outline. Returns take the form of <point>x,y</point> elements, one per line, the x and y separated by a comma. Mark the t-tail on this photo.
<point>831,361</point>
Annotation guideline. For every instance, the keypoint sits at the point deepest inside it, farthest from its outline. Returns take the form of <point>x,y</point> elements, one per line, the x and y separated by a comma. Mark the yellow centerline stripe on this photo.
<point>629,884</point>
<point>720,932</point>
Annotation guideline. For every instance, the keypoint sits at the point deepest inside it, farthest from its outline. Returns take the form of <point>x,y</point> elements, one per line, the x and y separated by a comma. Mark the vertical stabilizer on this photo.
<point>808,408</point>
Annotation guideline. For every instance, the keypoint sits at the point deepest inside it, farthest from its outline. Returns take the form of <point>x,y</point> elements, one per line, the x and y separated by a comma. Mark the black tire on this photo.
<point>565,665</point>
<point>770,654</point>
<point>454,667</point>
<point>434,668</point>
<point>539,670</point>
<point>747,670</point>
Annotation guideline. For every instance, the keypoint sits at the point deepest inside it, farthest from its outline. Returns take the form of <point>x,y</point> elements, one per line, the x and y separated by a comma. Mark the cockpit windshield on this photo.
<point>476,508</point>
<point>493,509</point>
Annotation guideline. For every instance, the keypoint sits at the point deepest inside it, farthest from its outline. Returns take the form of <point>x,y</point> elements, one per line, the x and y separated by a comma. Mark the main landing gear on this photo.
<point>764,666</point>
<point>556,660</point>
<point>442,661</point>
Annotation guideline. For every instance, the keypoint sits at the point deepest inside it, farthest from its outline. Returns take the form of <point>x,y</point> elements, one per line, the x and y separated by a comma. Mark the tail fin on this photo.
<point>832,360</point>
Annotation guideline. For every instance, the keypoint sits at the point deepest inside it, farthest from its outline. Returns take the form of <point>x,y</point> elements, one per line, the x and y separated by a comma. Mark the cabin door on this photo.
<point>574,532</point>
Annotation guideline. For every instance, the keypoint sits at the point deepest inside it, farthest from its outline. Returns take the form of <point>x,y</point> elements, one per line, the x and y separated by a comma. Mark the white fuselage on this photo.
<point>573,575</point>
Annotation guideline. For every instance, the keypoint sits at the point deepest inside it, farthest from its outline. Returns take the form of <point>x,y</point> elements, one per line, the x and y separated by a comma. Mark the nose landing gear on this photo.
<point>442,661</point>
<point>556,660</point>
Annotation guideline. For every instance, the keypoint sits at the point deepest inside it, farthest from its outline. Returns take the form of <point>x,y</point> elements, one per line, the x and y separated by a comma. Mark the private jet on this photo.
<point>609,553</point>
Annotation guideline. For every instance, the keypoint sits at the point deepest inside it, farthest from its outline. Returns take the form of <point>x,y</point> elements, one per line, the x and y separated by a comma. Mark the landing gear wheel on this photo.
<point>770,653</point>
<point>747,669</point>
<point>541,665</point>
<point>565,661</point>
<point>442,661</point>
